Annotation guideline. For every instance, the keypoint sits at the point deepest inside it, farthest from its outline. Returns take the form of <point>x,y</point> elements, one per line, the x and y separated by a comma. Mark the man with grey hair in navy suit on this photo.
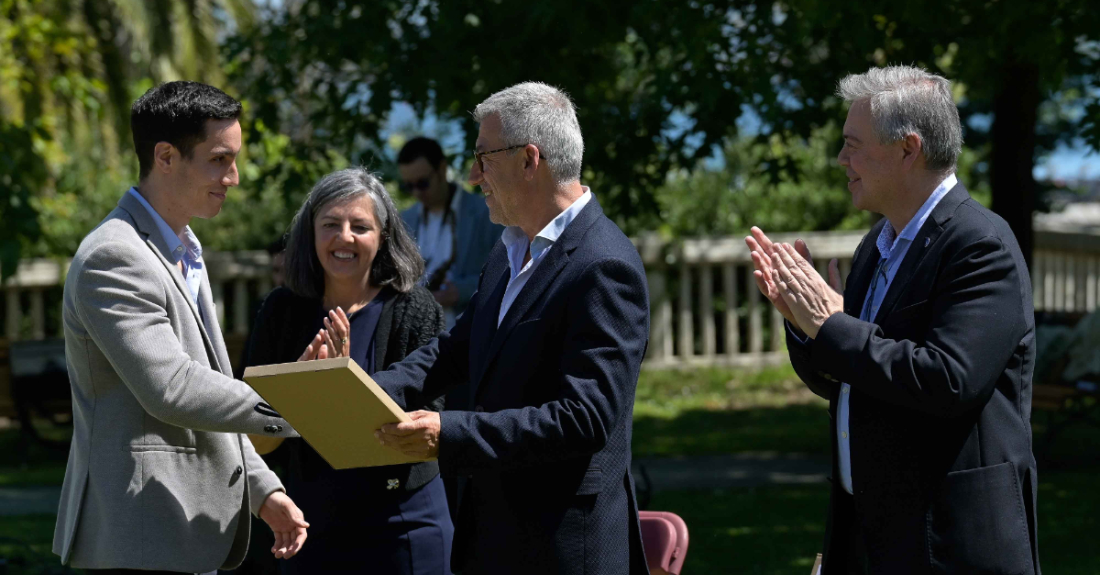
<point>925,356</point>
<point>550,346</point>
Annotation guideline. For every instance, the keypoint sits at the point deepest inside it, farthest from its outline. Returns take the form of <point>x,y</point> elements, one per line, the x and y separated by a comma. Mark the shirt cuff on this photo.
<point>803,339</point>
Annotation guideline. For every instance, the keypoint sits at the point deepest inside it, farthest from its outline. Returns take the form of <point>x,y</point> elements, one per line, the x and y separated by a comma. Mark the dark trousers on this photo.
<point>854,552</point>
<point>393,532</point>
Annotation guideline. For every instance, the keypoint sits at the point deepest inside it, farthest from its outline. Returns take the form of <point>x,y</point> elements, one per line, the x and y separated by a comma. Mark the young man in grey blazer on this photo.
<point>159,476</point>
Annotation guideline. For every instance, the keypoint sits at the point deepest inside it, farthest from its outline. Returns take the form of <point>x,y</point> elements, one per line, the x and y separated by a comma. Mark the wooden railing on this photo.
<point>705,307</point>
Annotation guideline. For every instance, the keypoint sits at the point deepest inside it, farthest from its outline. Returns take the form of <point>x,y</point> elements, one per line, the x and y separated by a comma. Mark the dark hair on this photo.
<point>398,263</point>
<point>421,147</point>
<point>277,246</point>
<point>176,113</point>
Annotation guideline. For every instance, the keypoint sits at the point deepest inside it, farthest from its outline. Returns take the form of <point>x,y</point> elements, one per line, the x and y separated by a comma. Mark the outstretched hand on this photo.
<point>286,522</point>
<point>416,438</point>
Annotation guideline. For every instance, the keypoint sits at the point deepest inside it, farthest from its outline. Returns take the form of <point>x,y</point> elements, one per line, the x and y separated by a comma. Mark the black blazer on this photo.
<point>287,323</point>
<point>546,450</point>
<point>942,469</point>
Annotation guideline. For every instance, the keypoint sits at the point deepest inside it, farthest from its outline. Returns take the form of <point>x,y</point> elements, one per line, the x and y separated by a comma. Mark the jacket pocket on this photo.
<point>977,523</point>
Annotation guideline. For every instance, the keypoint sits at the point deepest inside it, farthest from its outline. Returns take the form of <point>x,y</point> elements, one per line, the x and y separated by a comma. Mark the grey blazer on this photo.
<point>475,238</point>
<point>158,476</point>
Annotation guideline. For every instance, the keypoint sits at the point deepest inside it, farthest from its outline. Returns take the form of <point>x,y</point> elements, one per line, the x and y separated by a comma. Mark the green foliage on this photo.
<point>68,74</point>
<point>781,184</point>
<point>659,84</point>
<point>627,65</point>
<point>21,173</point>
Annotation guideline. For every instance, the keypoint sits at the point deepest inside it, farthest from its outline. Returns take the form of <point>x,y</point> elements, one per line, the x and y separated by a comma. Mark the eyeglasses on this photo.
<point>479,155</point>
<point>419,185</point>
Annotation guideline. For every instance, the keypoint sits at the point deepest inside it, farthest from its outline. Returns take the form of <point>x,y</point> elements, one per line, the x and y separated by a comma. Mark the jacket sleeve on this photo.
<point>262,481</point>
<point>429,372</point>
<point>429,324</point>
<point>799,349</point>
<point>975,327</point>
<point>605,339</point>
<point>126,316</point>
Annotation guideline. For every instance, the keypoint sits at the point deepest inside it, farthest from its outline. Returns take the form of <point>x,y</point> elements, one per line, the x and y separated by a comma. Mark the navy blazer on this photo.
<point>546,451</point>
<point>943,475</point>
<point>474,239</point>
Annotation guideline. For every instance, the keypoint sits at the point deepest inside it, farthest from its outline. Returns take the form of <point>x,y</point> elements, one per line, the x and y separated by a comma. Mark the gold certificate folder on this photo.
<point>335,406</point>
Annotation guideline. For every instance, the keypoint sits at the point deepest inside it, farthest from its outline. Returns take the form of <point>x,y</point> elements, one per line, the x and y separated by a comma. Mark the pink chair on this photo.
<point>665,537</point>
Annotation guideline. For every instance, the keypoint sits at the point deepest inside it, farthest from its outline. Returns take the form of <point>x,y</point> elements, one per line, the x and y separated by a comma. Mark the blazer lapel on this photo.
<point>484,330</point>
<point>555,260</point>
<point>148,228</point>
<point>921,247</point>
<point>212,328</point>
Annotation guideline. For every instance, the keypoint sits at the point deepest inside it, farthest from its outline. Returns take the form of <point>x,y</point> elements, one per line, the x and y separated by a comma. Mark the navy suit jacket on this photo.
<point>545,452</point>
<point>942,469</point>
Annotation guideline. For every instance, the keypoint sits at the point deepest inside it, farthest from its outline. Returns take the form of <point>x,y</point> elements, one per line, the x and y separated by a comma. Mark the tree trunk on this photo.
<point>1015,113</point>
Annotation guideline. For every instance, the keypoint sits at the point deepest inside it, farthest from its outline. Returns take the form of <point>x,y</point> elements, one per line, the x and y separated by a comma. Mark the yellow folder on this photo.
<point>335,406</point>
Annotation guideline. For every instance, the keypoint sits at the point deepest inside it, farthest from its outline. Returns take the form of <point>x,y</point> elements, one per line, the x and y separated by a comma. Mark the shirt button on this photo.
<point>844,434</point>
<point>845,390</point>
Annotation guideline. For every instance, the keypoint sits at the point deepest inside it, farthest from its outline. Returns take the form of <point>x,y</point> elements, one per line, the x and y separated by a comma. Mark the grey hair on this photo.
<point>907,100</point>
<point>539,114</point>
<point>397,264</point>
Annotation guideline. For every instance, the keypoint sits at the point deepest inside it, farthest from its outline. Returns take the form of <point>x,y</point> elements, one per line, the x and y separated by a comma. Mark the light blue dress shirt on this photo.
<point>184,247</point>
<point>892,248</point>
<point>516,244</point>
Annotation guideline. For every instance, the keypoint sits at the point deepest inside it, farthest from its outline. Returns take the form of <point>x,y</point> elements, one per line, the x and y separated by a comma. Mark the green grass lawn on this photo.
<point>32,464</point>
<point>765,530</point>
<point>778,529</point>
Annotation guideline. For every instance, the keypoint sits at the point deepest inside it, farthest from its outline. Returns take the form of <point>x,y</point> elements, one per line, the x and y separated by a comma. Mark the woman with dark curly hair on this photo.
<point>351,273</point>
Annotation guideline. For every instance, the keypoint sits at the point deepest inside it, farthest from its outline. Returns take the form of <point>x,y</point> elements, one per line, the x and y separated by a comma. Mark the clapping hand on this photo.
<point>785,274</point>
<point>333,340</point>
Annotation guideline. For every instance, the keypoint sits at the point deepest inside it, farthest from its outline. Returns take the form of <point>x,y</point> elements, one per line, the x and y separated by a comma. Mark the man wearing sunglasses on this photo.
<point>451,226</point>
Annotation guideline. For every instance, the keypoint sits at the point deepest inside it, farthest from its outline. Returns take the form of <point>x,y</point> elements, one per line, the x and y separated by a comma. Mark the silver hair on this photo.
<point>397,264</point>
<point>539,114</point>
<point>907,100</point>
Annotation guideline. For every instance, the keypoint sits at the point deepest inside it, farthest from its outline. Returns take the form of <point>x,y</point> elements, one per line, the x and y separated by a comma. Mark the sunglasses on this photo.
<point>418,185</point>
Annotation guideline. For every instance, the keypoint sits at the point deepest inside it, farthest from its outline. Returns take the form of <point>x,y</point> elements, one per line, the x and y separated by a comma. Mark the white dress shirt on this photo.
<point>435,238</point>
<point>516,244</point>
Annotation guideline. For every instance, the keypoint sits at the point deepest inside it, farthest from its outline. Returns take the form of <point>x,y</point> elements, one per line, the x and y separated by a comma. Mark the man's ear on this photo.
<point>911,148</point>
<point>532,159</point>
<point>165,157</point>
